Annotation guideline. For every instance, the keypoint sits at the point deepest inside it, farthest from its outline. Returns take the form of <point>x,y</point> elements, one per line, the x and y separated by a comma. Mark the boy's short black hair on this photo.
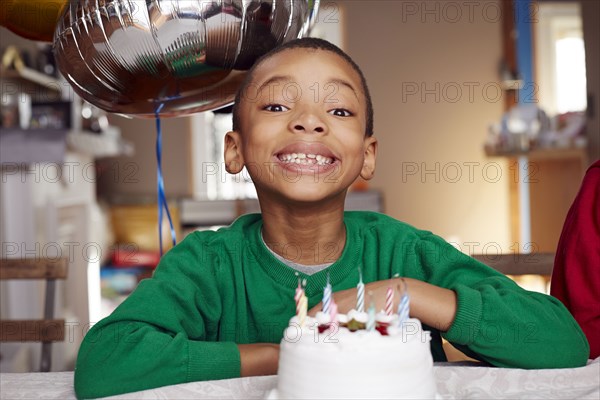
<point>306,43</point>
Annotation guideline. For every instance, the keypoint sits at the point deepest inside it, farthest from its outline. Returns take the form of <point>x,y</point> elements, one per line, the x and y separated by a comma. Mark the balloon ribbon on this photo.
<point>162,200</point>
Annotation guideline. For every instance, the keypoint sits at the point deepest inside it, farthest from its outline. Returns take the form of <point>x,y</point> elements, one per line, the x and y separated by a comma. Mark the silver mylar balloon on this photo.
<point>178,57</point>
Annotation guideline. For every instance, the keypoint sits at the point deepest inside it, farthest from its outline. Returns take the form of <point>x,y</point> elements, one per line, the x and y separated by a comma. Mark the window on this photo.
<point>211,180</point>
<point>560,58</point>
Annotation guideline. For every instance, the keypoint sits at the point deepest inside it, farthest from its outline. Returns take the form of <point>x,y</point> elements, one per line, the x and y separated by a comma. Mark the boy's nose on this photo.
<point>308,122</point>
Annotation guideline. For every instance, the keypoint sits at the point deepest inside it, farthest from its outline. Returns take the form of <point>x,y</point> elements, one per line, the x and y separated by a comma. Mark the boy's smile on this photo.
<point>307,158</point>
<point>302,128</point>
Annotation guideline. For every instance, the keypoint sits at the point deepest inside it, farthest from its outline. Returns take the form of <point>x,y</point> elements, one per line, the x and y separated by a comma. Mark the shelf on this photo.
<point>31,75</point>
<point>557,154</point>
<point>13,67</point>
<point>543,154</point>
<point>512,84</point>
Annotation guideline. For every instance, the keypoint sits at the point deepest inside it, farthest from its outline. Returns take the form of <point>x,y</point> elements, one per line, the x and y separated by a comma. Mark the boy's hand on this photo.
<point>346,299</point>
<point>433,305</point>
<point>258,359</point>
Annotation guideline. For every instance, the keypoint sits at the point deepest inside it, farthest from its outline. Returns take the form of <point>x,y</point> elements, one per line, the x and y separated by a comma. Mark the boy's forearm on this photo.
<point>258,359</point>
<point>433,305</point>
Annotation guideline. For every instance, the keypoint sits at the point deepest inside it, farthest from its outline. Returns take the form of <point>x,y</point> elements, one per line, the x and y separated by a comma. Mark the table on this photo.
<point>454,381</point>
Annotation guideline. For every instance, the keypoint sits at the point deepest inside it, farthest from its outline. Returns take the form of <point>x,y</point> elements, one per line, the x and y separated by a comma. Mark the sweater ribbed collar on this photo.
<point>286,276</point>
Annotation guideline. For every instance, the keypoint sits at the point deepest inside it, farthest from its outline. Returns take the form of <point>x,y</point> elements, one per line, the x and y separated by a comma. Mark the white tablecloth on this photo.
<point>453,382</point>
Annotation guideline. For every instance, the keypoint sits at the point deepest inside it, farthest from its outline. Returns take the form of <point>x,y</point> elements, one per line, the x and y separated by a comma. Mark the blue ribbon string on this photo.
<point>162,200</point>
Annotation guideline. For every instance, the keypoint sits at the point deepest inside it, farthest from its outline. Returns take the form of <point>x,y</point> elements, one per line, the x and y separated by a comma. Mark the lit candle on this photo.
<point>360,293</point>
<point>371,319</point>
<point>327,297</point>
<point>389,301</point>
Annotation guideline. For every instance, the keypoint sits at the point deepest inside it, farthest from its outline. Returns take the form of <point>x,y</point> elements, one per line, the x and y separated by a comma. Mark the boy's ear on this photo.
<point>368,169</point>
<point>234,160</point>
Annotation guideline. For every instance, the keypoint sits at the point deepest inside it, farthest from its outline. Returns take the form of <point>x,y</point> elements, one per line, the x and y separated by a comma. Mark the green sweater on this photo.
<point>216,289</point>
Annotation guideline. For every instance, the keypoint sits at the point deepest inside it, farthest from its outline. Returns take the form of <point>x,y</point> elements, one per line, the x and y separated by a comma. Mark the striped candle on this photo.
<point>371,318</point>
<point>403,309</point>
<point>327,297</point>
<point>297,296</point>
<point>389,301</point>
<point>360,293</point>
<point>303,309</point>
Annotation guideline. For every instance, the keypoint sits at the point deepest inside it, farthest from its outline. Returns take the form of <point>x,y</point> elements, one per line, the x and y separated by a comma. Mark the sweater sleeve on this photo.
<point>164,333</point>
<point>497,320</point>
<point>576,274</point>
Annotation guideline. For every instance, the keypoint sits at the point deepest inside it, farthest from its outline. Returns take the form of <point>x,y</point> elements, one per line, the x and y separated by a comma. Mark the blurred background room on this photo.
<point>486,114</point>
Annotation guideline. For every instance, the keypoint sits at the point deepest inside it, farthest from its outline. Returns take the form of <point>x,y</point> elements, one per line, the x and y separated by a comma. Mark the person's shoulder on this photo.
<point>240,227</point>
<point>213,240</point>
<point>593,172</point>
<point>374,222</point>
<point>205,247</point>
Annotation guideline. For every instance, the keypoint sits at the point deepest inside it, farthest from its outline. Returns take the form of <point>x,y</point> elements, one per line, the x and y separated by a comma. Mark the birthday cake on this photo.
<point>355,357</point>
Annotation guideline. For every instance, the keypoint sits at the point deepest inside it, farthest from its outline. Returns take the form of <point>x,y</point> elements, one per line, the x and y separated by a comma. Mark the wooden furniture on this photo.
<point>519,264</point>
<point>554,177</point>
<point>543,186</point>
<point>48,329</point>
<point>536,265</point>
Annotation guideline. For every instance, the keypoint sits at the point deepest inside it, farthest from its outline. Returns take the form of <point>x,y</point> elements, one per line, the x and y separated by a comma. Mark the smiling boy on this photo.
<point>218,303</point>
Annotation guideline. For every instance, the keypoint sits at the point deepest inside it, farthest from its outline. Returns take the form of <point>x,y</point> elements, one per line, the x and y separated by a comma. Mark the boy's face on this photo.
<point>302,128</point>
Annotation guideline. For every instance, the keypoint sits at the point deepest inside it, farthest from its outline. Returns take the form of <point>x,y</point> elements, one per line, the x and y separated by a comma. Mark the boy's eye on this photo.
<point>341,112</point>
<point>275,108</point>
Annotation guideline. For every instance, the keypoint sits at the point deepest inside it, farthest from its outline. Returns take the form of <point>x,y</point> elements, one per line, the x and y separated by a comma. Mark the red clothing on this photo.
<point>576,274</point>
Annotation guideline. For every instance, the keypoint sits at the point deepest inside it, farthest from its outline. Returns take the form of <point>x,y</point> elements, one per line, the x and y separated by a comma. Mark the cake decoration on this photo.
<point>327,296</point>
<point>358,354</point>
<point>404,305</point>
<point>360,293</point>
<point>301,301</point>
<point>371,317</point>
<point>389,301</point>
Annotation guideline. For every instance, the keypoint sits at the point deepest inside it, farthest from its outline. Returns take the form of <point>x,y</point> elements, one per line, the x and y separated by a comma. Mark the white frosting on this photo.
<point>322,318</point>
<point>361,364</point>
<point>388,319</point>
<point>362,317</point>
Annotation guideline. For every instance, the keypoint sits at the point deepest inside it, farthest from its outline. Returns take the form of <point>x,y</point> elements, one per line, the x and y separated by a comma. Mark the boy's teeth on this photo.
<point>305,159</point>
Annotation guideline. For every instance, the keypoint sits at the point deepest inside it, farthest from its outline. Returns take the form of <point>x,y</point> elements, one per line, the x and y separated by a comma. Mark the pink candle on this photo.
<point>333,316</point>
<point>389,301</point>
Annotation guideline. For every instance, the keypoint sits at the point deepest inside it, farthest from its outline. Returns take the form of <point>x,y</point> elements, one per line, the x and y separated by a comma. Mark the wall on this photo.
<point>131,178</point>
<point>591,36</point>
<point>398,46</point>
<point>440,128</point>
